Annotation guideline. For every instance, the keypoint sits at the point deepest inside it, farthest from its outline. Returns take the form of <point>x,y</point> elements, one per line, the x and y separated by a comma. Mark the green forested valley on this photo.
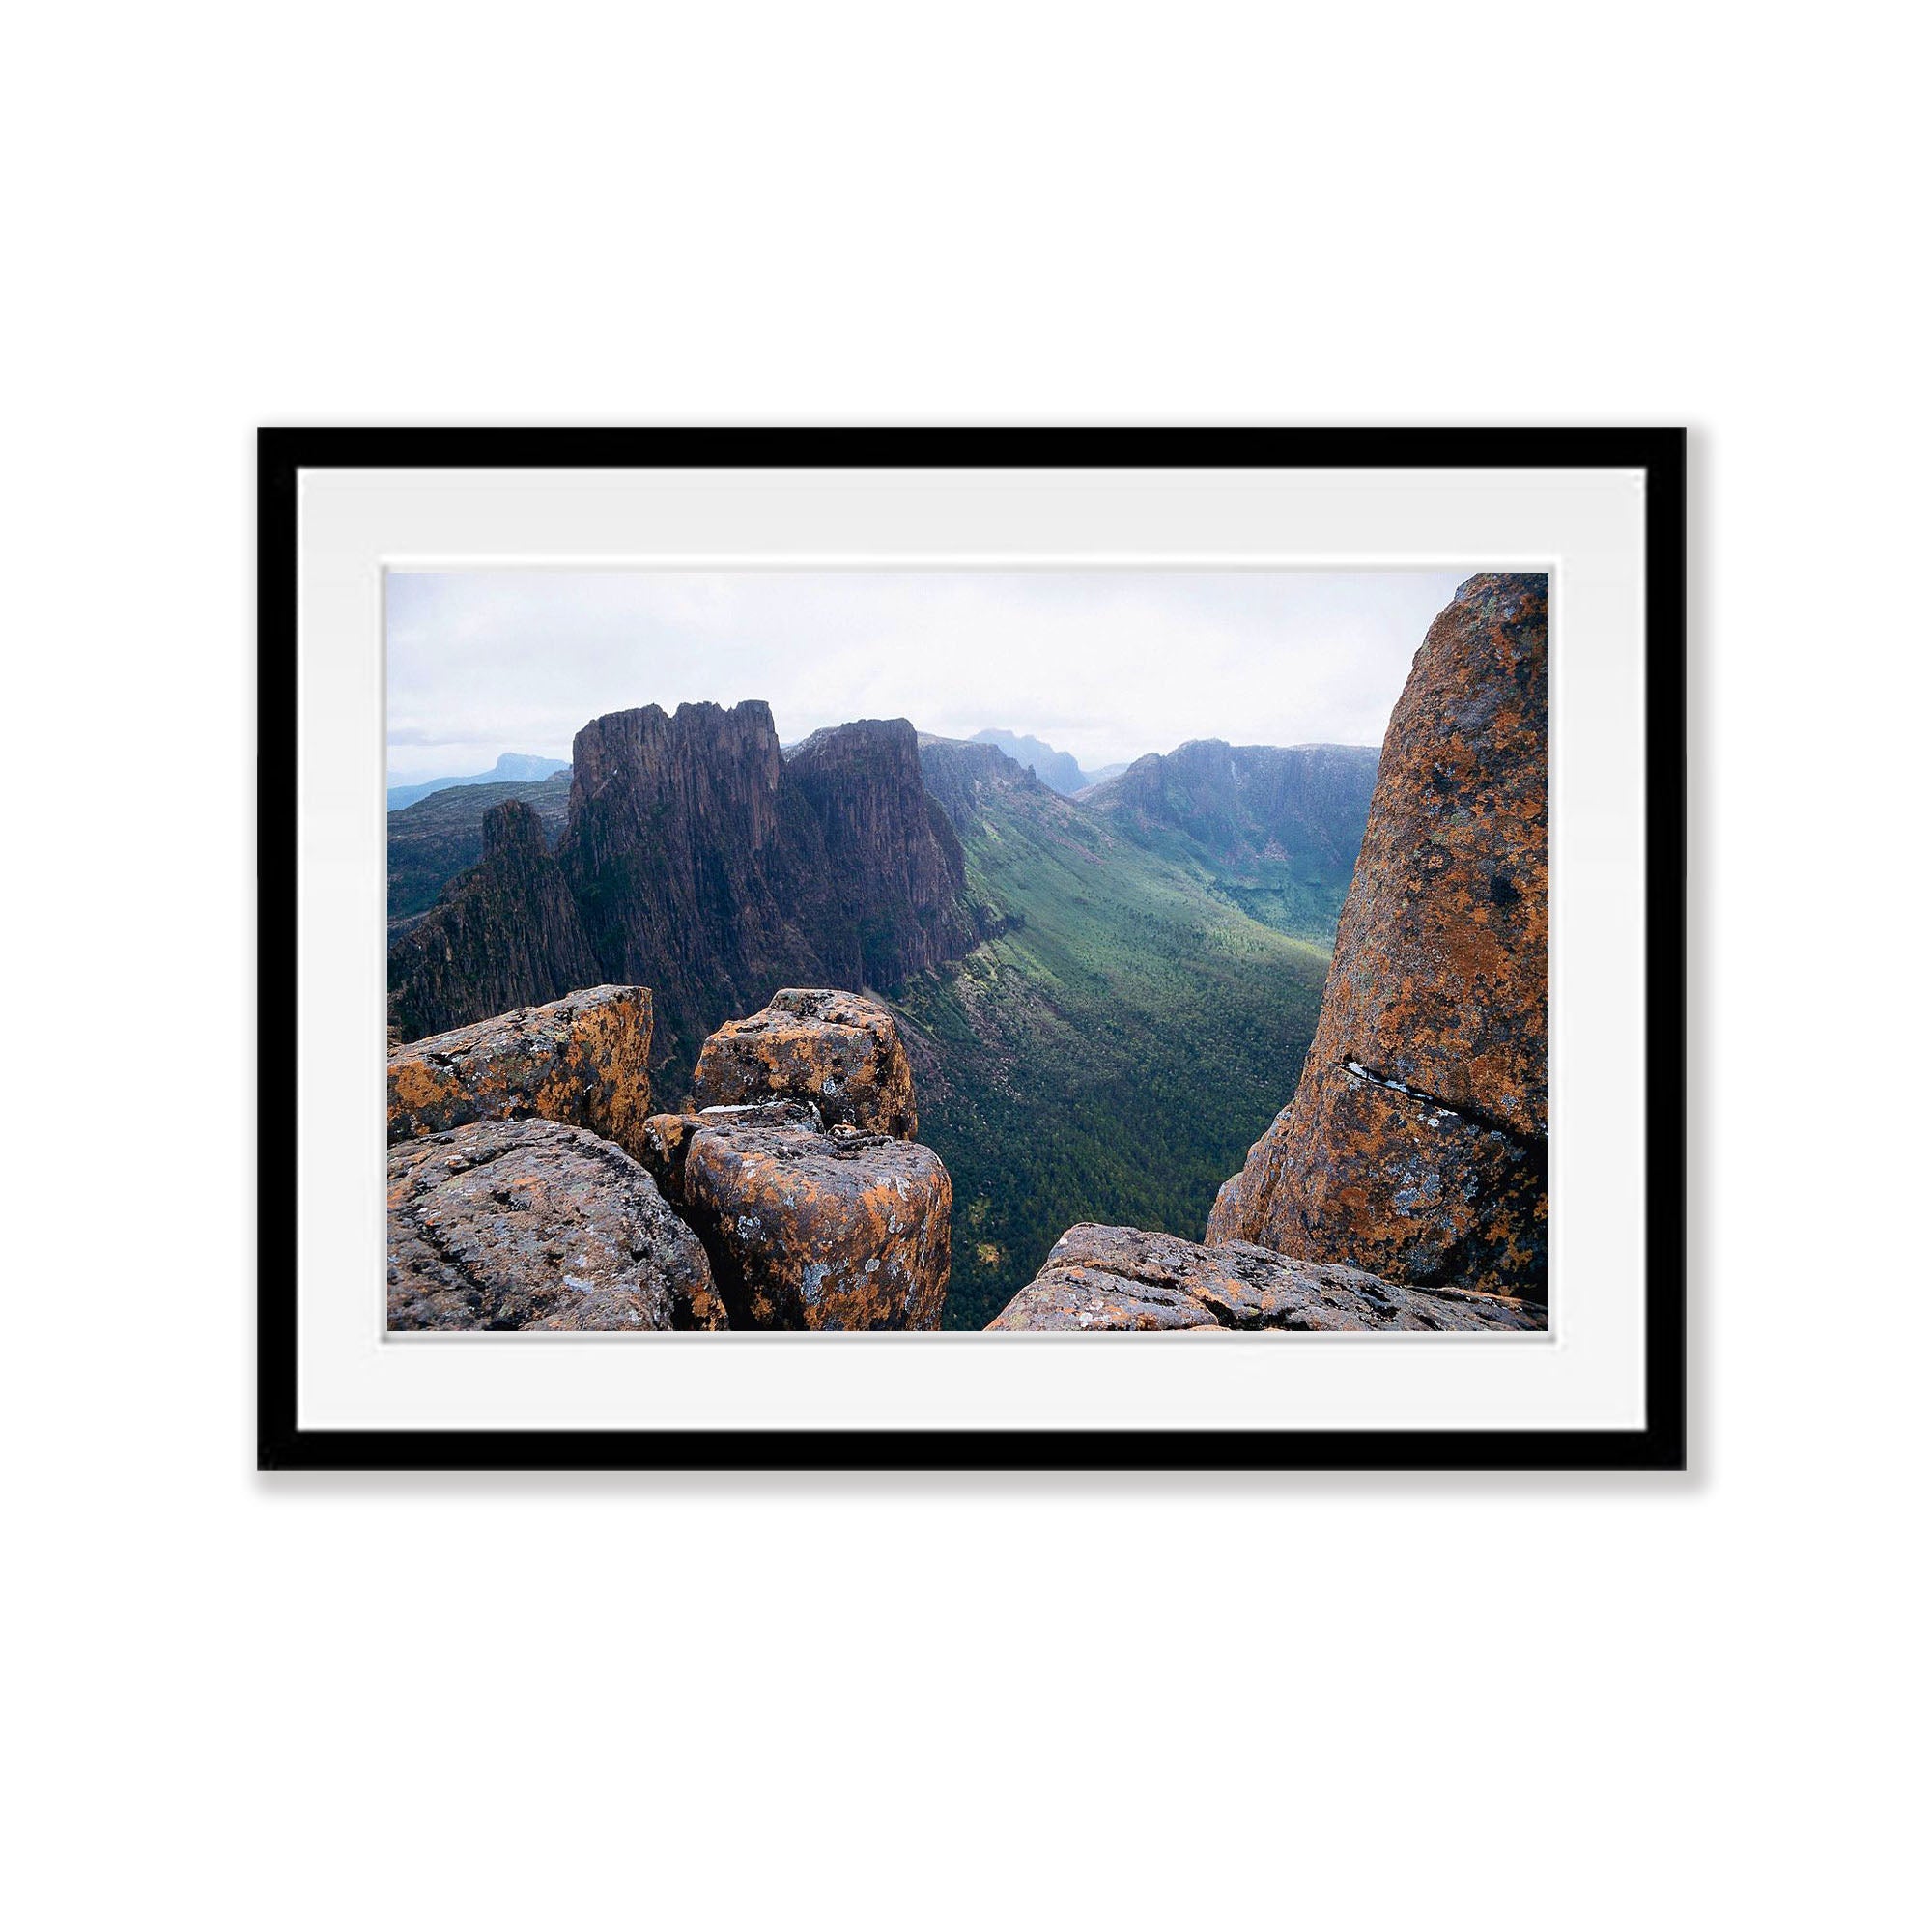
<point>1112,1054</point>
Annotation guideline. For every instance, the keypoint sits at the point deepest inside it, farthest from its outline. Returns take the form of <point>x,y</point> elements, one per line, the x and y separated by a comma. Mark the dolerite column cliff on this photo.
<point>897,869</point>
<point>1416,1143</point>
<point>506,934</point>
<point>695,871</point>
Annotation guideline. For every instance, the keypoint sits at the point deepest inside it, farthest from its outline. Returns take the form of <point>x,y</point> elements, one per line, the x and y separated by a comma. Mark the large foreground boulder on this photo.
<point>529,1224</point>
<point>836,1050</point>
<point>584,1059</point>
<point>1416,1142</point>
<point>1122,1278</point>
<point>806,1227</point>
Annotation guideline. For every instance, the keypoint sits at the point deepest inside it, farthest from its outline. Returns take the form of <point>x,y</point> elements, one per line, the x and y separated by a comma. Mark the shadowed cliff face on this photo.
<point>1416,1143</point>
<point>506,934</point>
<point>695,871</point>
<point>898,873</point>
<point>715,870</point>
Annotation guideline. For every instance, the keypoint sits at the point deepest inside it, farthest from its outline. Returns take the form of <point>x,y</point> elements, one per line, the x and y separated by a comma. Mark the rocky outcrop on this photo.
<point>1416,1142</point>
<point>1122,1278</point>
<point>808,1228</point>
<point>839,1051</point>
<point>441,837</point>
<point>506,934</point>
<point>584,1059</point>
<point>530,1224</point>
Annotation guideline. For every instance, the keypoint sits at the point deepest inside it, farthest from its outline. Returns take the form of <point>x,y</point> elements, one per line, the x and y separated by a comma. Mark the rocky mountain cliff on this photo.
<point>504,934</point>
<point>962,775</point>
<point>438,837</point>
<point>698,860</point>
<point>895,865</point>
<point>1276,827</point>
<point>1416,1142</point>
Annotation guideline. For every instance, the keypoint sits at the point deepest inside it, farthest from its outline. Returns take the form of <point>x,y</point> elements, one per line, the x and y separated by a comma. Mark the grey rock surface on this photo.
<point>532,1224</point>
<point>1126,1278</point>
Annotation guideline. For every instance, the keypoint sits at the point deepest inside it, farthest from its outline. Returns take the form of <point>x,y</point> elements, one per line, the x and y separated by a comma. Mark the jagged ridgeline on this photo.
<point>1100,995</point>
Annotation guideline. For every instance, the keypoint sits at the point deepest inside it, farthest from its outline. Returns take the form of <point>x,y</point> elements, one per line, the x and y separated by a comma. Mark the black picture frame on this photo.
<point>1660,1444</point>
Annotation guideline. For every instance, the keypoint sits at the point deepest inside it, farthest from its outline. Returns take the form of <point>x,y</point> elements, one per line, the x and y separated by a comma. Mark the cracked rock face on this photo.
<point>809,1226</point>
<point>584,1059</point>
<point>1416,1142</point>
<point>530,1224</point>
<point>842,1053</point>
<point>1122,1278</point>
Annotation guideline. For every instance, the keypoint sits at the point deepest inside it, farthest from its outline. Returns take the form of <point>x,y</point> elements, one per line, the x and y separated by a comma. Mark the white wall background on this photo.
<point>1527,1702</point>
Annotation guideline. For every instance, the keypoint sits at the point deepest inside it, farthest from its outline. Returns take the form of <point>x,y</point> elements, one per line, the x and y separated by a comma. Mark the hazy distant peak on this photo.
<point>510,768</point>
<point>1059,769</point>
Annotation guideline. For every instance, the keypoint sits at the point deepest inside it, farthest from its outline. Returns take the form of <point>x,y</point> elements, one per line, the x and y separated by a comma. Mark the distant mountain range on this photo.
<point>1102,994</point>
<point>1272,829</point>
<point>512,768</point>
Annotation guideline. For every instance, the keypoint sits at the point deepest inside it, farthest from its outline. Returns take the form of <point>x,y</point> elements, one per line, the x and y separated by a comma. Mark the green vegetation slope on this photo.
<point>1113,1052</point>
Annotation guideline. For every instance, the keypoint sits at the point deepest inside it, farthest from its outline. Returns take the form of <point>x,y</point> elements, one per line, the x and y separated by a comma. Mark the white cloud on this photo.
<point>1105,664</point>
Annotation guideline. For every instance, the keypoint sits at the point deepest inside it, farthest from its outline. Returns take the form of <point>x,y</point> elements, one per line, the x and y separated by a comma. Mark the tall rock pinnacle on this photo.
<point>1416,1143</point>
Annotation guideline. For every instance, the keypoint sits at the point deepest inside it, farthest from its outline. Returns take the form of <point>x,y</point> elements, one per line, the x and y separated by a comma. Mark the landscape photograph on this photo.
<point>991,952</point>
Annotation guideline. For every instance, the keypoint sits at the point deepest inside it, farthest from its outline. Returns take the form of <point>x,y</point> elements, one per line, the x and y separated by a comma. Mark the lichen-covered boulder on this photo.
<point>840,1051</point>
<point>1124,1278</point>
<point>530,1224</point>
<point>809,1227</point>
<point>1416,1142</point>
<point>584,1059</point>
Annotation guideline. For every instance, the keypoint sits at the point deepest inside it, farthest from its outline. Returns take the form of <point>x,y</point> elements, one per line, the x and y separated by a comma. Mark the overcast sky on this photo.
<point>1105,664</point>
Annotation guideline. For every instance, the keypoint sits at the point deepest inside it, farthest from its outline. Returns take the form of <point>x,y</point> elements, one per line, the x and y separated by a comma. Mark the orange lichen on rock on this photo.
<point>1098,1279</point>
<point>584,1059</point>
<point>809,1226</point>
<point>1416,1142</point>
<point>840,1051</point>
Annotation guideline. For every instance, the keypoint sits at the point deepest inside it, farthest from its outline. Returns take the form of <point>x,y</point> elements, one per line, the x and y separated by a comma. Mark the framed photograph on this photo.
<point>1001,948</point>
